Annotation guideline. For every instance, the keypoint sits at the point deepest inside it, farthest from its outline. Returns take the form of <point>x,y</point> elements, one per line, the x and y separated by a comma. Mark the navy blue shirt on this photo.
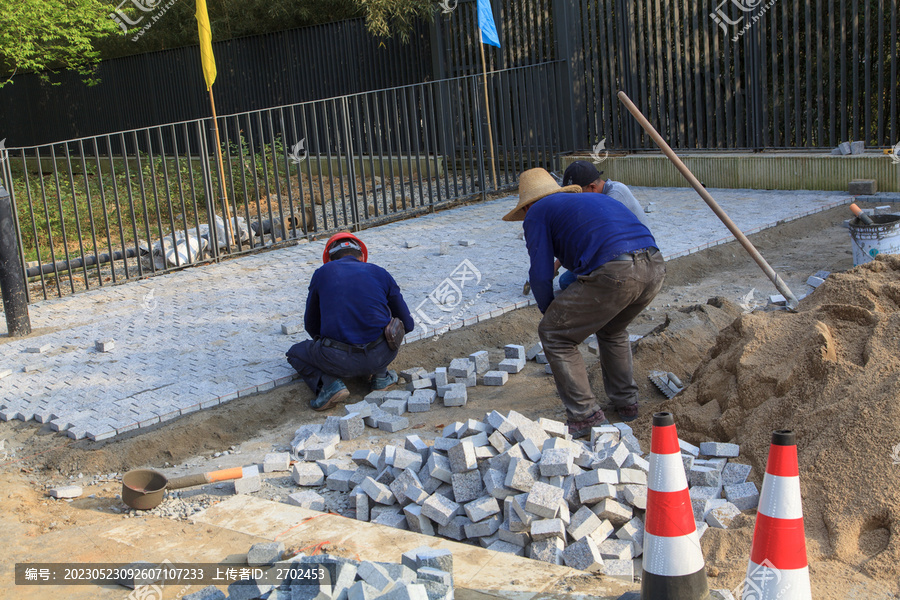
<point>584,231</point>
<point>351,301</point>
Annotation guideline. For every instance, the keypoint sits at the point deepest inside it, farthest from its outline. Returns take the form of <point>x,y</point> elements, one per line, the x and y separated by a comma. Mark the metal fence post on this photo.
<point>12,273</point>
<point>570,91</point>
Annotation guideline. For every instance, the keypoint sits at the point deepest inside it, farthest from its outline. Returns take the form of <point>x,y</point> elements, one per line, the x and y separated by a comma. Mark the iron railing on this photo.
<point>786,74</point>
<point>109,208</point>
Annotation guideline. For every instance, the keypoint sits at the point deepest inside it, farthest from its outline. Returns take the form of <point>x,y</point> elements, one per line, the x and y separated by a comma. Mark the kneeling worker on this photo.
<point>354,312</point>
<point>619,271</point>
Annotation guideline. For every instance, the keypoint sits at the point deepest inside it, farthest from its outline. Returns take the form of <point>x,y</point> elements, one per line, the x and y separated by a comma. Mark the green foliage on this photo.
<point>387,18</point>
<point>41,35</point>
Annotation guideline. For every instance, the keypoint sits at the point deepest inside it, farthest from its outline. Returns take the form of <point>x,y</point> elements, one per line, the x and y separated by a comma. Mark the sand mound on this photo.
<point>830,372</point>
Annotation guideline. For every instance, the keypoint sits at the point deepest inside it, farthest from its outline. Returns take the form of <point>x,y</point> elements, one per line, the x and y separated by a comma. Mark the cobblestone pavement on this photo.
<point>196,338</point>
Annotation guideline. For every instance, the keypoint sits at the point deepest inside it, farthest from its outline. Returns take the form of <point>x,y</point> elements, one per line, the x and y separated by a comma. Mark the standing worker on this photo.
<point>585,174</point>
<point>357,318</point>
<point>619,271</point>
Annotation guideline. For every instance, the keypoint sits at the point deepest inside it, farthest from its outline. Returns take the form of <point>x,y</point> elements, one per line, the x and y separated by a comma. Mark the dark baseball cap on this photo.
<point>582,173</point>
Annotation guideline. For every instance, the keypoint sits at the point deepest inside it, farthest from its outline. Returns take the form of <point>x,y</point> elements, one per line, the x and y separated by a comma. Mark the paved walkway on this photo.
<point>193,339</point>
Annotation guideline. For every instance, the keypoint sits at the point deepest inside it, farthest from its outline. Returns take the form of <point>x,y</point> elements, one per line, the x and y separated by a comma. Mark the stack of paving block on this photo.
<point>424,574</point>
<point>719,489</point>
<point>515,485</point>
<point>512,484</point>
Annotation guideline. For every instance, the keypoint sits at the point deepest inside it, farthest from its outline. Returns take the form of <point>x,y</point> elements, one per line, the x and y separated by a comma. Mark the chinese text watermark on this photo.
<point>448,295</point>
<point>146,6</point>
<point>738,26</point>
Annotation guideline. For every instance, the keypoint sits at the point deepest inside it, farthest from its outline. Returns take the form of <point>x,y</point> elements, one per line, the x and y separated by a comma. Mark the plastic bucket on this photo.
<point>869,242</point>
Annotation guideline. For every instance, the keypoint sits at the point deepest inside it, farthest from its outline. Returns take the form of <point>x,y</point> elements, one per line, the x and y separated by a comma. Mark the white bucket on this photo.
<point>869,242</point>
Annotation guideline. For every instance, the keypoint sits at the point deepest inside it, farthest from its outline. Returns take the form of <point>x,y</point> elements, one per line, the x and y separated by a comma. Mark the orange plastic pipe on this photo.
<point>225,474</point>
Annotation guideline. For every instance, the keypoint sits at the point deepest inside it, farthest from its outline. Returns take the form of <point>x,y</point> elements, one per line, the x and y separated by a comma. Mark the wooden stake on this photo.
<point>487,107</point>
<point>229,226</point>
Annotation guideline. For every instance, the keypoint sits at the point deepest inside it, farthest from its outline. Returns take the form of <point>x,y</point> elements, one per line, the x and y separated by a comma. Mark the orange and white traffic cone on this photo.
<point>673,560</point>
<point>778,567</point>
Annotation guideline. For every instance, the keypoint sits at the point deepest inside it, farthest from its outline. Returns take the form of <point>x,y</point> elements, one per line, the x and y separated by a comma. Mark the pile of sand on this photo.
<point>830,372</point>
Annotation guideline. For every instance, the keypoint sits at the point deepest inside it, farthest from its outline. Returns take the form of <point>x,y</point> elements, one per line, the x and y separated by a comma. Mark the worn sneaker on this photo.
<point>330,395</point>
<point>383,383</point>
<point>628,413</point>
<point>580,429</point>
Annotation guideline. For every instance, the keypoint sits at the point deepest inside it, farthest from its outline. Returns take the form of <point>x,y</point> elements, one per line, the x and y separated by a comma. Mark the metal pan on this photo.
<point>143,489</point>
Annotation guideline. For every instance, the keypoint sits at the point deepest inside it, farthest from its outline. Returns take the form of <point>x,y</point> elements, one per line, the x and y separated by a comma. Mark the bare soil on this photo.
<point>695,328</point>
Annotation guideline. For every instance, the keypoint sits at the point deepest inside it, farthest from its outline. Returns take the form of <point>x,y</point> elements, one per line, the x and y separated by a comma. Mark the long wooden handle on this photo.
<point>782,287</point>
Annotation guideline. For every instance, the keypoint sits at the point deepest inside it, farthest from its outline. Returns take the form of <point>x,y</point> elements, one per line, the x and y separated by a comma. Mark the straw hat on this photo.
<point>535,184</point>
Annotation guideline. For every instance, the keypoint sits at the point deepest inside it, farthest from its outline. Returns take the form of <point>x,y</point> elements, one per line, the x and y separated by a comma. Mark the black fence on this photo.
<point>108,208</point>
<point>253,73</point>
<point>723,74</point>
<point>742,74</point>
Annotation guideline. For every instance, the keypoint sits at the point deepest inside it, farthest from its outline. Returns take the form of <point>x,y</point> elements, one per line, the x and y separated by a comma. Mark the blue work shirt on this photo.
<point>351,301</point>
<point>584,231</point>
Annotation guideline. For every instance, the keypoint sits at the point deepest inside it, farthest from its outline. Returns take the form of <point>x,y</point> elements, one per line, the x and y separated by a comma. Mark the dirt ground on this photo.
<point>680,329</point>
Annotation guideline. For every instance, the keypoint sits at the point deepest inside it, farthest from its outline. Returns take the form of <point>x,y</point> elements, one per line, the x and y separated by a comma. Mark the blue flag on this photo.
<point>486,23</point>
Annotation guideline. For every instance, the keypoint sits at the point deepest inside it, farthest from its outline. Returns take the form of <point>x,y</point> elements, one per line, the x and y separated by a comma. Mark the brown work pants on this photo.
<point>604,302</point>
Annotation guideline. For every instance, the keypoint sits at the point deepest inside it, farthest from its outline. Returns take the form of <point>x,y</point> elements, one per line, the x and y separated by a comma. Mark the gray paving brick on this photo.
<point>735,473</point>
<point>496,378</point>
<point>461,367</point>
<point>393,424</point>
<point>720,449</point>
<point>511,365</point>
<point>421,401</point>
<point>307,499</point>
<point>521,474</point>
<point>462,457</point>
<point>467,486</point>
<point>481,360</point>
<point>583,555</point>
<point>440,509</point>
<point>514,351</point>
<point>441,377</point>
<point>276,461</point>
<point>455,529</point>
<point>308,474</point>
<point>396,407</point>
<point>351,426</point>
<point>484,528</point>
<point>744,496</point>
<point>470,381</point>
<point>507,548</point>
<point>456,395</point>
<point>378,492</point>
<point>549,550</point>
<point>417,523</point>
<point>339,481</point>
<point>544,500</point>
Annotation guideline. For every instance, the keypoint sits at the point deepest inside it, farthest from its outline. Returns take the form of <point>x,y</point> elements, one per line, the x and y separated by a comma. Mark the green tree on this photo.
<point>386,18</point>
<point>44,35</point>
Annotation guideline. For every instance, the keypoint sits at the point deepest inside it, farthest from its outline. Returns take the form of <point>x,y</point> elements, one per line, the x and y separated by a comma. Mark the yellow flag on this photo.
<point>206,51</point>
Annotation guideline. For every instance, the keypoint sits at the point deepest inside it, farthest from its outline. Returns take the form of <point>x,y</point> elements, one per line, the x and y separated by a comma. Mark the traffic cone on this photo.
<point>778,567</point>
<point>673,560</point>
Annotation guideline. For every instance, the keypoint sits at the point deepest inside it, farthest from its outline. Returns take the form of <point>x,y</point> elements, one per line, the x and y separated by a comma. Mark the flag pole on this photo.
<point>229,226</point>
<point>487,107</point>
<point>208,62</point>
